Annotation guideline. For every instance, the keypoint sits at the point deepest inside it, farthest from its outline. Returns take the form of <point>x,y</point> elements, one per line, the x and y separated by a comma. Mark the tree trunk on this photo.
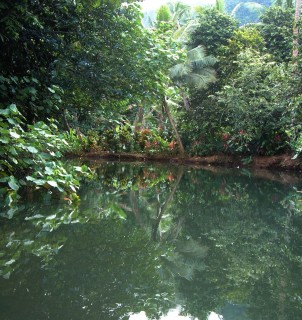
<point>167,109</point>
<point>162,208</point>
<point>66,121</point>
<point>160,119</point>
<point>185,100</point>
<point>296,30</point>
<point>138,119</point>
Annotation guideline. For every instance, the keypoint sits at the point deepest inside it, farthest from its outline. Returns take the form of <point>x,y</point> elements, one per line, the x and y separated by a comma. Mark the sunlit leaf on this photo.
<point>53,216</point>
<point>32,149</point>
<point>52,183</point>
<point>14,135</point>
<point>13,183</point>
<point>8,263</point>
<point>37,216</point>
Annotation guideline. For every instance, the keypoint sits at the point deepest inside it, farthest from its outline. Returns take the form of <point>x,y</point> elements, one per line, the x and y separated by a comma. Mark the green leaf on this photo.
<point>39,182</point>
<point>12,121</point>
<point>32,149</point>
<point>48,171</point>
<point>4,140</point>
<point>51,217</point>
<point>97,3</point>
<point>28,242</point>
<point>8,263</point>
<point>4,112</point>
<point>36,216</point>
<point>52,183</point>
<point>13,151</point>
<point>120,212</point>
<point>14,135</point>
<point>13,183</point>
<point>13,108</point>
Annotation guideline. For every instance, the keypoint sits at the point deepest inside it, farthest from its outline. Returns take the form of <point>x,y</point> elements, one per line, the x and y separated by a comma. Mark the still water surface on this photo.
<point>156,242</point>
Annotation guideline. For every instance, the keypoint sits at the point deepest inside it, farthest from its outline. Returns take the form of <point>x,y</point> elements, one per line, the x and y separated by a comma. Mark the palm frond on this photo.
<point>180,70</point>
<point>208,61</point>
<point>196,71</point>
<point>183,33</point>
<point>197,53</point>
<point>200,81</point>
<point>219,5</point>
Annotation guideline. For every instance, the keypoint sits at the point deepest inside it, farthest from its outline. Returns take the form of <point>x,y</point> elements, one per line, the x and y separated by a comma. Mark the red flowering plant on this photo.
<point>151,142</point>
<point>238,142</point>
<point>172,145</point>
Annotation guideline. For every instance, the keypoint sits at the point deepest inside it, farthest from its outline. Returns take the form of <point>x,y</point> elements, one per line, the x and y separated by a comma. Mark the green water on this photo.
<point>156,242</point>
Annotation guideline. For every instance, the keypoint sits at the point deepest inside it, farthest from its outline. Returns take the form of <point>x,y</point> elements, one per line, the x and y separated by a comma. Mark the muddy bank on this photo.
<point>279,162</point>
<point>281,168</point>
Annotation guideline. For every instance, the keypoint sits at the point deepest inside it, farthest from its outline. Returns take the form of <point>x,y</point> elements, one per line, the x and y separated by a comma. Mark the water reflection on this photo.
<point>173,314</point>
<point>156,242</point>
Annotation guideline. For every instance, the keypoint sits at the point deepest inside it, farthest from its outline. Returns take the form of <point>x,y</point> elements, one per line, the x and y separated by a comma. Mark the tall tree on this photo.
<point>296,29</point>
<point>276,29</point>
<point>213,31</point>
<point>163,14</point>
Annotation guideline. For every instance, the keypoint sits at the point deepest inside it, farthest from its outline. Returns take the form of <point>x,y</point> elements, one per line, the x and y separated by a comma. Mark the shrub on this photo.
<point>31,157</point>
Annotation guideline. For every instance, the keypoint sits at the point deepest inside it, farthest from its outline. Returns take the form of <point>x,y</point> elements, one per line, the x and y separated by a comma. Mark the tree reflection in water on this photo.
<point>146,238</point>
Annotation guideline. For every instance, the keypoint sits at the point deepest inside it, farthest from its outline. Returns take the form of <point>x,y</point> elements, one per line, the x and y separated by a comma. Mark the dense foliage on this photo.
<point>80,63</point>
<point>213,30</point>
<point>78,76</point>
<point>253,108</point>
<point>276,29</point>
<point>194,79</point>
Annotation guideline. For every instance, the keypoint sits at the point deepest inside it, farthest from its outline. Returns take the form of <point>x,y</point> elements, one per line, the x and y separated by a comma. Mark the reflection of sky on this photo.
<point>148,5</point>
<point>173,314</point>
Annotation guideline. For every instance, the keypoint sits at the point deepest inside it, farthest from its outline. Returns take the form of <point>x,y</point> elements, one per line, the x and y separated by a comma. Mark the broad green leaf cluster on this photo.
<point>30,158</point>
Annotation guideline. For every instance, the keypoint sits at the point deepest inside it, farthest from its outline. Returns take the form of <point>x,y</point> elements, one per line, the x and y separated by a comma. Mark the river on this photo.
<point>154,241</point>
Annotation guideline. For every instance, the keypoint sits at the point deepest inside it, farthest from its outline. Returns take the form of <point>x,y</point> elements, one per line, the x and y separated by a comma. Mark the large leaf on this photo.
<point>14,134</point>
<point>32,149</point>
<point>52,183</point>
<point>13,183</point>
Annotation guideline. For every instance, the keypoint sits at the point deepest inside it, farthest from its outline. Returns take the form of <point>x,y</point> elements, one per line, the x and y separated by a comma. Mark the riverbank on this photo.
<point>279,162</point>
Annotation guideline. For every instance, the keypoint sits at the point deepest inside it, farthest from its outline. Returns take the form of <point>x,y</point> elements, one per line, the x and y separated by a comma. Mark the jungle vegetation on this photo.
<point>82,75</point>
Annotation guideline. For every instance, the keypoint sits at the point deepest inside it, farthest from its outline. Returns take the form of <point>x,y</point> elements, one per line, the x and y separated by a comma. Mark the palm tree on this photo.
<point>181,13</point>
<point>196,72</point>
